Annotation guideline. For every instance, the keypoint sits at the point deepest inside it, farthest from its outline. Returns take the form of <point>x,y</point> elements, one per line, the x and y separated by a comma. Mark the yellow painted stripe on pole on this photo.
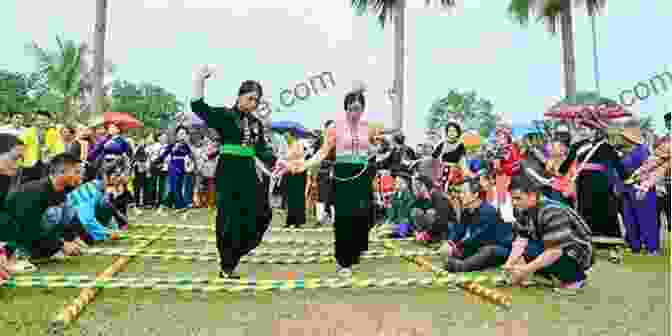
<point>72,311</point>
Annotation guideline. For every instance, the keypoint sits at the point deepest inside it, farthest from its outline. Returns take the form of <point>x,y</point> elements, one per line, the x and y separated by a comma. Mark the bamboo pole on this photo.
<point>72,311</point>
<point>469,285</point>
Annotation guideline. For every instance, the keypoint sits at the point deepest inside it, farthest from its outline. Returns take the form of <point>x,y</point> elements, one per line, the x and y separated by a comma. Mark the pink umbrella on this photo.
<point>588,115</point>
<point>123,119</point>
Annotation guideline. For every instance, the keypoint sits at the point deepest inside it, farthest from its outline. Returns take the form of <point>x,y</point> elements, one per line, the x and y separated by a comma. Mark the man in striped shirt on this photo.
<point>552,240</point>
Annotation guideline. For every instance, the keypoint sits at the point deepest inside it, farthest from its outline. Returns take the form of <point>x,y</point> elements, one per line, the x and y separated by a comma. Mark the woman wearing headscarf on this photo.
<point>595,158</point>
<point>243,209</point>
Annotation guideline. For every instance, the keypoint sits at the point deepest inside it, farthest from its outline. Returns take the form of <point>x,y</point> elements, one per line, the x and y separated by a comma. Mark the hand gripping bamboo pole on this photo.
<point>468,285</point>
<point>72,311</point>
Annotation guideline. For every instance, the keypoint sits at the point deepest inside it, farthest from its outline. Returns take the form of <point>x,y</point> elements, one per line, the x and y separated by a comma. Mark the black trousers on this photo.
<point>352,238</point>
<point>230,252</point>
<point>663,205</point>
<point>36,172</point>
<point>45,248</point>
<point>296,199</point>
<point>139,191</point>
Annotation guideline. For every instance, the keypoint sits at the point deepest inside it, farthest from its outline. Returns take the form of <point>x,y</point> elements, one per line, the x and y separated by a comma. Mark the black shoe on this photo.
<point>229,275</point>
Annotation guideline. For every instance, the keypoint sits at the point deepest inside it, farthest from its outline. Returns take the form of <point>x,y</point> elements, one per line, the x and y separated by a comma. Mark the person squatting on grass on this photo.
<point>480,239</point>
<point>551,239</point>
<point>24,224</point>
<point>11,153</point>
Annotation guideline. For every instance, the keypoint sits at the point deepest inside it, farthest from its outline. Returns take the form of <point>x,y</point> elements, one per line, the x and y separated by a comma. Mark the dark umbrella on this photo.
<point>293,127</point>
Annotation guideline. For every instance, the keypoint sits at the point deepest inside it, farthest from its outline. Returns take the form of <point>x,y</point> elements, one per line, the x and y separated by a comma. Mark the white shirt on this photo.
<point>10,129</point>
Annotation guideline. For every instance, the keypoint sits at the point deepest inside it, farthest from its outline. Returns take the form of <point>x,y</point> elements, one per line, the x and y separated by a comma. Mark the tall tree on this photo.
<point>387,10</point>
<point>99,59</point>
<point>554,13</point>
<point>476,113</point>
<point>87,97</point>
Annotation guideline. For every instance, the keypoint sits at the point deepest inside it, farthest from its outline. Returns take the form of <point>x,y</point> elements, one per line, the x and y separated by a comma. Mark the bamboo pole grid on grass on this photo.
<point>105,280</point>
<point>264,256</point>
<point>72,311</point>
<point>292,241</point>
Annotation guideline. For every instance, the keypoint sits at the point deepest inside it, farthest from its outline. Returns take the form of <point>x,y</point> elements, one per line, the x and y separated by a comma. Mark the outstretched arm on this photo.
<point>213,117</point>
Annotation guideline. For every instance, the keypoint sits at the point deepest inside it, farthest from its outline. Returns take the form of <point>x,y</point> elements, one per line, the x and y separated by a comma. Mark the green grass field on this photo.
<point>627,299</point>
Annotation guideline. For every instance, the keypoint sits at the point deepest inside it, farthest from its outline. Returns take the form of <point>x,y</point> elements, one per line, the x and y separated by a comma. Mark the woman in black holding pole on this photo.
<point>243,209</point>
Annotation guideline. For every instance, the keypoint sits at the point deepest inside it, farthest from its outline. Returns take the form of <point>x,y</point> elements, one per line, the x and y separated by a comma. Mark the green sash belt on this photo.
<point>352,158</point>
<point>236,150</point>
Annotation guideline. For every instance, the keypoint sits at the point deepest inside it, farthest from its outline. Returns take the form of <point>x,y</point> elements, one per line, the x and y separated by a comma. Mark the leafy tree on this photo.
<point>61,69</point>
<point>476,113</point>
<point>20,92</point>
<point>147,102</point>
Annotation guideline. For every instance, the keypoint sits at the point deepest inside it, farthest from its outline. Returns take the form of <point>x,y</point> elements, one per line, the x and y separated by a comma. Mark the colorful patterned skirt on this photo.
<point>383,187</point>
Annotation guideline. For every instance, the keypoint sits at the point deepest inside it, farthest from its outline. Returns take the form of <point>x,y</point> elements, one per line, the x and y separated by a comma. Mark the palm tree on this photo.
<point>552,12</point>
<point>388,9</point>
<point>99,59</point>
<point>70,76</point>
<point>62,70</point>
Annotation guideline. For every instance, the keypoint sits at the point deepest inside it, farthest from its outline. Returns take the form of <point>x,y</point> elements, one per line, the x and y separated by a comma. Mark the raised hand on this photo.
<point>280,168</point>
<point>205,72</point>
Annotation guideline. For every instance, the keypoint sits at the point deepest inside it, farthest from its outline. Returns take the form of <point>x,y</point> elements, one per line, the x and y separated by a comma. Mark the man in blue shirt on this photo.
<point>479,239</point>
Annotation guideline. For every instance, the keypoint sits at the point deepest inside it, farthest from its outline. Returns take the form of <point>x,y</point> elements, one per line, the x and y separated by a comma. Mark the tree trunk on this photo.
<point>399,65</point>
<point>569,59</point>
<point>99,56</point>
<point>67,110</point>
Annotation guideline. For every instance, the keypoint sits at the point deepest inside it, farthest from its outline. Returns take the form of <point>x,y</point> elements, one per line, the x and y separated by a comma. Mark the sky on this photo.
<point>474,46</point>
